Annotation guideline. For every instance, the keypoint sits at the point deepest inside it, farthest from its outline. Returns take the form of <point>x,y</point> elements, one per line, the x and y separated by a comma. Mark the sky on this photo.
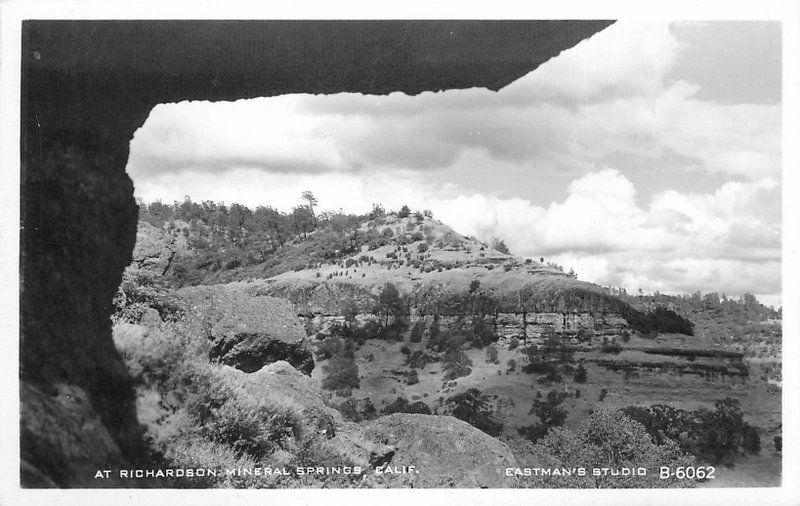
<point>646,157</point>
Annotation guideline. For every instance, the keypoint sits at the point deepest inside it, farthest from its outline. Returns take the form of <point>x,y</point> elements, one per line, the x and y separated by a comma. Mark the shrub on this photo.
<point>416,360</point>
<point>387,233</point>
<point>513,343</point>
<point>512,365</point>
<point>417,331</point>
<point>491,355</point>
<point>626,336</point>
<point>580,374</point>
<point>658,320</point>
<point>482,334</point>
<point>404,212</point>
<point>422,247</point>
<point>472,407</point>
<point>401,405</point>
<point>610,345</point>
<point>500,245</point>
<point>412,378</point>
<point>140,290</point>
<point>715,435</point>
<point>474,285</point>
<point>342,373</point>
<point>456,364</point>
<point>611,440</point>
<point>778,442</point>
<point>330,347</point>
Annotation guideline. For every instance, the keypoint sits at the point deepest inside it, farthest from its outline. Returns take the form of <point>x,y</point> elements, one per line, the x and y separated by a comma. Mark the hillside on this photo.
<point>403,315</point>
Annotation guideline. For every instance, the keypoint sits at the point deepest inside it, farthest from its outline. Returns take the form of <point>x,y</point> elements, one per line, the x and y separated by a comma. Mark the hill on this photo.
<point>404,315</point>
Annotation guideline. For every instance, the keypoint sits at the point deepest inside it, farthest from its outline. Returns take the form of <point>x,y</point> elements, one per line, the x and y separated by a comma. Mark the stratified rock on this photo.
<point>445,451</point>
<point>249,332</point>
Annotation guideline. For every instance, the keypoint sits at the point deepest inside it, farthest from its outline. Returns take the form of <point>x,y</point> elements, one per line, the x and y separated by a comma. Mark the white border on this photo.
<point>13,11</point>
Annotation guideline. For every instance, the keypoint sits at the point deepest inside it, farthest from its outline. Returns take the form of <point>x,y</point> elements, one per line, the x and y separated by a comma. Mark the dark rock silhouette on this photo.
<point>88,85</point>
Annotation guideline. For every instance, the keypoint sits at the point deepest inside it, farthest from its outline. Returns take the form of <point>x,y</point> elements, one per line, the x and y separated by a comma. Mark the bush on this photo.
<point>580,374</point>
<point>404,212</point>
<point>401,405</point>
<point>610,345</point>
<point>416,360</point>
<point>610,440</point>
<point>778,442</point>
<point>456,364</point>
<point>140,290</point>
<point>342,373</point>
<point>417,331</point>
<point>422,247</point>
<point>512,365</point>
<point>513,343</point>
<point>660,319</point>
<point>714,435</point>
<point>472,407</point>
<point>491,355</point>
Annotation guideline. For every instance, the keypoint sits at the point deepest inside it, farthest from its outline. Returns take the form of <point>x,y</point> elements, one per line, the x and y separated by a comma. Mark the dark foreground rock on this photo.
<point>88,85</point>
<point>64,442</point>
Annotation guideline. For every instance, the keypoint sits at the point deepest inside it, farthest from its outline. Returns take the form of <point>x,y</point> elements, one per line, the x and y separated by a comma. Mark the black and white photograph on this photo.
<point>513,252</point>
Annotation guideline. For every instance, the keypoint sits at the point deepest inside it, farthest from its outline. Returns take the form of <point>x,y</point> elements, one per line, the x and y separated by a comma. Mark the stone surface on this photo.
<point>281,384</point>
<point>65,439</point>
<point>446,451</point>
<point>154,248</point>
<point>249,332</point>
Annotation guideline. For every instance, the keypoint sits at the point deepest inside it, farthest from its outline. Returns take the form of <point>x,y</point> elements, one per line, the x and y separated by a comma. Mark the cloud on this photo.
<point>548,163</point>
<point>606,97</point>
<point>680,242</point>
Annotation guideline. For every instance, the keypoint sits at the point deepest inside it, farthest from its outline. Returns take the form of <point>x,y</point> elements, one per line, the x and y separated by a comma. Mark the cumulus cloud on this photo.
<point>680,242</point>
<point>548,163</point>
<point>605,97</point>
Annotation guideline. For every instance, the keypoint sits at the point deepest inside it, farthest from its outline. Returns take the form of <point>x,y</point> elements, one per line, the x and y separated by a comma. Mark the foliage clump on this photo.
<point>717,435</point>
<point>608,439</point>
<point>473,407</point>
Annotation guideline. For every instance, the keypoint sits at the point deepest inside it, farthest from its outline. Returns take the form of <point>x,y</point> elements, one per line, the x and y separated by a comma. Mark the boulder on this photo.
<point>249,332</point>
<point>281,384</point>
<point>445,451</point>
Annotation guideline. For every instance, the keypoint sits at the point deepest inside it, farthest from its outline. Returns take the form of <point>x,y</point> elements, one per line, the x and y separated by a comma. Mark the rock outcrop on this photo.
<point>249,332</point>
<point>88,85</point>
<point>154,249</point>
<point>281,384</point>
<point>445,451</point>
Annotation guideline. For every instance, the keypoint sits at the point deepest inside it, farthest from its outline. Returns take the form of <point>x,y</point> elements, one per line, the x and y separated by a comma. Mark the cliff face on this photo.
<point>86,87</point>
<point>514,304</point>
